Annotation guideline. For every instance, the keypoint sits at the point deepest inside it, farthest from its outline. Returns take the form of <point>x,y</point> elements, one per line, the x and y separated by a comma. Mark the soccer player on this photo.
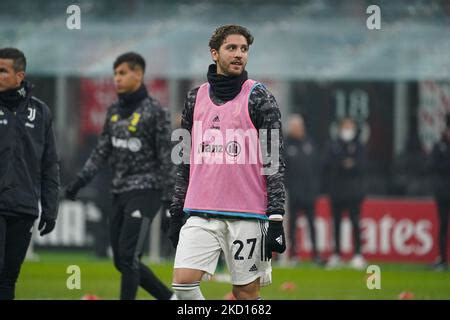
<point>232,205</point>
<point>29,169</point>
<point>136,141</point>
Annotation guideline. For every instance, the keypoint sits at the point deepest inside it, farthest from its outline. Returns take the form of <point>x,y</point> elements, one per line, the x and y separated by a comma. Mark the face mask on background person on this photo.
<point>347,134</point>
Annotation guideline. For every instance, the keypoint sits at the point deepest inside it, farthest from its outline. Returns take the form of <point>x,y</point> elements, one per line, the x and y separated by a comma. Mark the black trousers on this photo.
<point>15,236</point>
<point>307,208</point>
<point>444,211</point>
<point>129,227</point>
<point>338,208</point>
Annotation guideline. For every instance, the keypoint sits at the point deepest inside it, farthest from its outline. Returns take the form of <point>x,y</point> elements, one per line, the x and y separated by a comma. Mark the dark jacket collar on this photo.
<point>225,88</point>
<point>17,98</point>
<point>128,102</point>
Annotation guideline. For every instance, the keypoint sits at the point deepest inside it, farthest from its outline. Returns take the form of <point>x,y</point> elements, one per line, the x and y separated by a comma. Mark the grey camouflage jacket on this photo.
<point>137,148</point>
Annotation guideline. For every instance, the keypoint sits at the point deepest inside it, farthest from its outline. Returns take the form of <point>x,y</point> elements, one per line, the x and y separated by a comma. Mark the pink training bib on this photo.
<point>225,165</point>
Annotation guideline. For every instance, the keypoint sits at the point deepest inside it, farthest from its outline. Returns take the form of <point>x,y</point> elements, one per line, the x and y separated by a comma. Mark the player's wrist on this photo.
<point>276,217</point>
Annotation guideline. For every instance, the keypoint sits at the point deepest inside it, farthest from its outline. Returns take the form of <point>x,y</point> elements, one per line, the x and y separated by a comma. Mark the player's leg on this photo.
<point>139,210</point>
<point>149,202</point>
<point>248,291</point>
<point>186,283</point>
<point>292,222</point>
<point>244,251</point>
<point>310,216</point>
<point>197,254</point>
<point>443,212</point>
<point>337,218</point>
<point>354,212</point>
<point>150,282</point>
<point>335,259</point>
<point>115,223</point>
<point>17,239</point>
<point>120,242</point>
<point>132,235</point>
<point>358,262</point>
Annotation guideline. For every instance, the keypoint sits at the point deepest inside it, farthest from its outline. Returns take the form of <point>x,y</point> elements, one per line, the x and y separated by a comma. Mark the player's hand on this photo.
<point>276,241</point>
<point>175,224</point>
<point>72,189</point>
<point>46,225</point>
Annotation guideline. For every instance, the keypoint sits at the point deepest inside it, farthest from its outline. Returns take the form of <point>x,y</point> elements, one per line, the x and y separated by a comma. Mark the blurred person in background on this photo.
<point>136,142</point>
<point>29,168</point>
<point>440,158</point>
<point>344,170</point>
<point>302,182</point>
<point>409,171</point>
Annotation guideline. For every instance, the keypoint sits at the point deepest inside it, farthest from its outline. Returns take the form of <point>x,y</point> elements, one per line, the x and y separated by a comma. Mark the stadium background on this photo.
<point>317,57</point>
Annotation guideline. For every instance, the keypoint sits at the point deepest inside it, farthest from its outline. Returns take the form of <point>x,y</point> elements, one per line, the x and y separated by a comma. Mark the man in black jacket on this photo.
<point>136,141</point>
<point>29,169</point>
<point>344,169</point>
<point>302,182</point>
<point>441,169</point>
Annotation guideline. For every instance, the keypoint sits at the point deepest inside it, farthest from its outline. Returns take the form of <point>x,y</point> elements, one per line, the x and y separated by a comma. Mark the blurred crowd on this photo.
<point>339,170</point>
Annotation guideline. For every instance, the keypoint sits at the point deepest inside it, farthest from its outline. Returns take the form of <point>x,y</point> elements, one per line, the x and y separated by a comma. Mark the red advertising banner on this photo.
<point>96,95</point>
<point>392,230</point>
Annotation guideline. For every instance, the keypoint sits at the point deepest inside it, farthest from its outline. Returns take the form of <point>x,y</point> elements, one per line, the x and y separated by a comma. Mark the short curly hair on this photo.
<point>221,33</point>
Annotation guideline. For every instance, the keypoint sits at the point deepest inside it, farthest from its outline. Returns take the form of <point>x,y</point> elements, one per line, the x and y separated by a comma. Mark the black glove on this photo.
<point>175,224</point>
<point>276,241</point>
<point>72,189</point>
<point>46,225</point>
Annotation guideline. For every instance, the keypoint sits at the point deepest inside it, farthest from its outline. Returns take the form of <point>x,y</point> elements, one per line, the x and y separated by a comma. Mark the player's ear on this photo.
<point>139,73</point>
<point>20,76</point>
<point>214,55</point>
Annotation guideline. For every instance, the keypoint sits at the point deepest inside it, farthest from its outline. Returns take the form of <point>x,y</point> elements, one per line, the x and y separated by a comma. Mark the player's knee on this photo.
<point>187,276</point>
<point>188,291</point>
<point>246,292</point>
<point>125,264</point>
<point>246,295</point>
<point>116,261</point>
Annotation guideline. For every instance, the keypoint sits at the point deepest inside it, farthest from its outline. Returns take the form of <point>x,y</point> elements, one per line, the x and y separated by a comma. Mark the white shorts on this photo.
<point>242,242</point>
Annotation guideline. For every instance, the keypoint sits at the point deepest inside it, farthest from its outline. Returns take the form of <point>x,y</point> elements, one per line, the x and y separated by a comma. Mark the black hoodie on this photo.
<point>29,169</point>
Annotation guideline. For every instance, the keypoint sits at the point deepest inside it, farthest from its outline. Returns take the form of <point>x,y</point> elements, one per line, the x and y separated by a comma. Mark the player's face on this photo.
<point>9,78</point>
<point>232,56</point>
<point>296,128</point>
<point>348,124</point>
<point>127,80</point>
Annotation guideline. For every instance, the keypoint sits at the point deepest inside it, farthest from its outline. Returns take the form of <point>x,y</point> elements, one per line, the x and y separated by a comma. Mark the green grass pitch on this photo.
<point>47,277</point>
